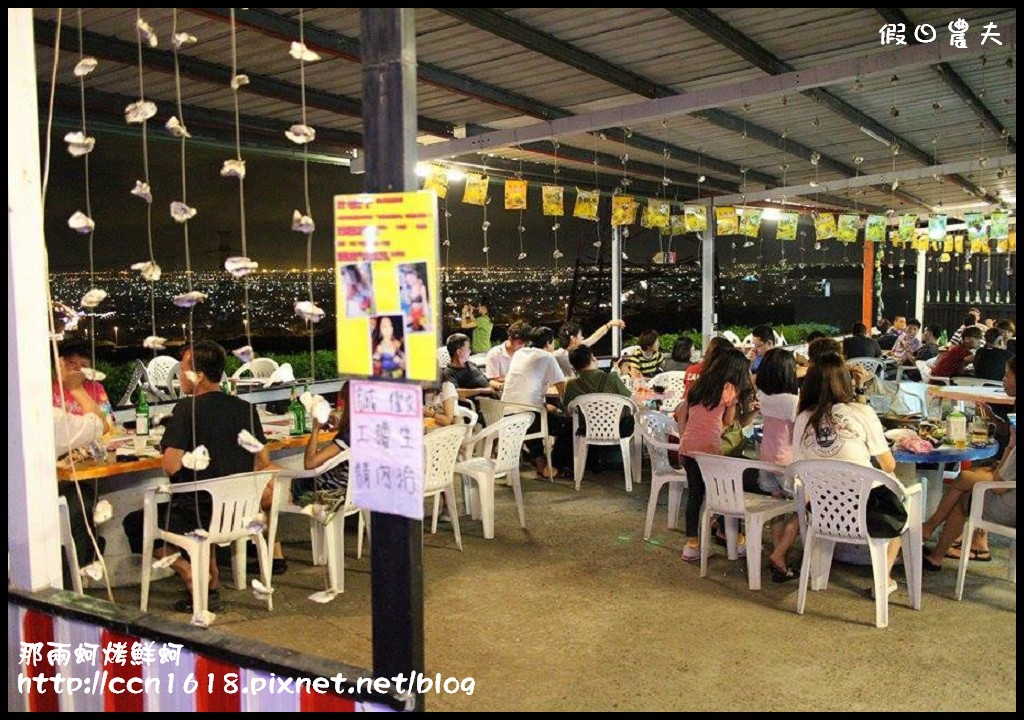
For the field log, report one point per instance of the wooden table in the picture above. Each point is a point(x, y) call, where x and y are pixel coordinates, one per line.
point(972, 393)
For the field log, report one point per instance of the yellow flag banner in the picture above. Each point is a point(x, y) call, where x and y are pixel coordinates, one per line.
point(750, 223)
point(958, 244)
point(437, 180)
point(824, 225)
point(874, 229)
point(847, 230)
point(726, 221)
point(586, 204)
point(551, 199)
point(623, 210)
point(786, 227)
point(515, 194)
point(908, 226)
point(695, 218)
point(476, 189)
point(656, 215)
point(676, 225)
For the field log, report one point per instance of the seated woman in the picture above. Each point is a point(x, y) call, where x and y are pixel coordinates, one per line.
point(831, 425)
point(442, 412)
point(955, 504)
point(331, 484)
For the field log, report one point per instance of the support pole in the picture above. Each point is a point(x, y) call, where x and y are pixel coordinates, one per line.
point(868, 287)
point(389, 118)
point(32, 526)
point(922, 268)
point(707, 280)
point(616, 289)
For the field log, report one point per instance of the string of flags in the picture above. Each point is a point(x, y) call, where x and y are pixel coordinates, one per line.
point(657, 214)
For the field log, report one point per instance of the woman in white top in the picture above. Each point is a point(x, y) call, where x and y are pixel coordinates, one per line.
point(832, 425)
point(443, 410)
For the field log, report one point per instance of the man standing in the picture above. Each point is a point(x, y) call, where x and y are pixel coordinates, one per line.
point(210, 418)
point(481, 325)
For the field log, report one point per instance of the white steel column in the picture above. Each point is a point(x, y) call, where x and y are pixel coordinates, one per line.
point(32, 528)
point(616, 289)
point(922, 268)
point(707, 284)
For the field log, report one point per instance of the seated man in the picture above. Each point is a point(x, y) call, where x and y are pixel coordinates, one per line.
point(859, 344)
point(211, 418)
point(591, 379)
point(929, 343)
point(532, 371)
point(499, 357)
point(468, 379)
point(954, 361)
point(909, 342)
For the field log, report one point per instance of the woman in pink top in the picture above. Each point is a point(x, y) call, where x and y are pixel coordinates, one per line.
point(778, 400)
point(716, 400)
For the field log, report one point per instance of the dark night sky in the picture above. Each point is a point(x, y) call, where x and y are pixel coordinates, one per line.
point(273, 188)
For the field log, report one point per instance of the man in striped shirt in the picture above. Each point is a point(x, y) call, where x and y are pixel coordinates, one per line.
point(647, 362)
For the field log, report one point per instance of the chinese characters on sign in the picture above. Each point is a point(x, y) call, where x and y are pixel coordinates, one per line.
point(896, 33)
point(387, 448)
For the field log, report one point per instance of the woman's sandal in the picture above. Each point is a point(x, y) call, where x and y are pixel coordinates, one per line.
point(213, 603)
point(984, 555)
point(780, 575)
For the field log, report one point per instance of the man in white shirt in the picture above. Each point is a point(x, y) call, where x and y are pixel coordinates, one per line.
point(570, 337)
point(532, 371)
point(499, 357)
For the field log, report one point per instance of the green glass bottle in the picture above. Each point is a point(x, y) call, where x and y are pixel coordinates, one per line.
point(298, 413)
point(142, 414)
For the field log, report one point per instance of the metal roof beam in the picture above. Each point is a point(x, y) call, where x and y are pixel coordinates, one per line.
point(824, 74)
point(714, 27)
point(921, 173)
point(340, 45)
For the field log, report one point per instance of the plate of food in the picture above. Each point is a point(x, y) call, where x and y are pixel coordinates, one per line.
point(893, 420)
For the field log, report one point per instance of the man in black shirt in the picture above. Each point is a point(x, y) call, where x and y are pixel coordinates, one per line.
point(217, 420)
point(990, 360)
point(929, 343)
point(859, 345)
point(467, 378)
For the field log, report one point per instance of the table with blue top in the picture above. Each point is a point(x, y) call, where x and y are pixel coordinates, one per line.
point(908, 467)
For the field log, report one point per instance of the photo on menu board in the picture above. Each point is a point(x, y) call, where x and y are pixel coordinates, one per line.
point(414, 296)
point(386, 339)
point(357, 285)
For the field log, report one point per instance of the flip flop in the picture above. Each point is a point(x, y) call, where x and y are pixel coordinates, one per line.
point(780, 576)
point(977, 555)
point(213, 603)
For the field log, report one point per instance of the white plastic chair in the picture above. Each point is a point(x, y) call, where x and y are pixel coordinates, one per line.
point(838, 494)
point(442, 450)
point(976, 521)
point(485, 465)
point(872, 365)
point(723, 481)
point(493, 410)
point(326, 532)
point(236, 518)
point(467, 415)
point(655, 429)
point(67, 542)
point(444, 359)
point(914, 397)
point(258, 368)
point(976, 382)
point(138, 378)
point(158, 373)
point(674, 382)
point(731, 336)
point(629, 350)
point(602, 413)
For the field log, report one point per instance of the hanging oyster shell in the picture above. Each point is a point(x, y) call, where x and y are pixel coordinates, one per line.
point(309, 311)
point(85, 66)
point(239, 81)
point(93, 571)
point(150, 270)
point(233, 168)
point(142, 191)
point(139, 111)
point(81, 223)
point(102, 512)
point(302, 223)
point(299, 51)
point(558, 254)
point(249, 442)
point(180, 40)
point(244, 353)
point(181, 212)
point(79, 143)
point(166, 561)
point(521, 256)
point(239, 267)
point(198, 459)
point(189, 299)
point(176, 128)
point(93, 297)
point(155, 342)
point(316, 406)
point(146, 33)
point(282, 374)
point(300, 134)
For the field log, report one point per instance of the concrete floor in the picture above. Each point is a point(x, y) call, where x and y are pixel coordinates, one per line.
point(579, 613)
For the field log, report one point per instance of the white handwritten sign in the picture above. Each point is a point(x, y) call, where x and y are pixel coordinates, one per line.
point(386, 469)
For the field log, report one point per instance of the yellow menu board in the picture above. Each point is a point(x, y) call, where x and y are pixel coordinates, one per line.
point(385, 260)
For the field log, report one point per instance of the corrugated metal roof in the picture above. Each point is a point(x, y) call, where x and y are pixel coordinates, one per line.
point(649, 42)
